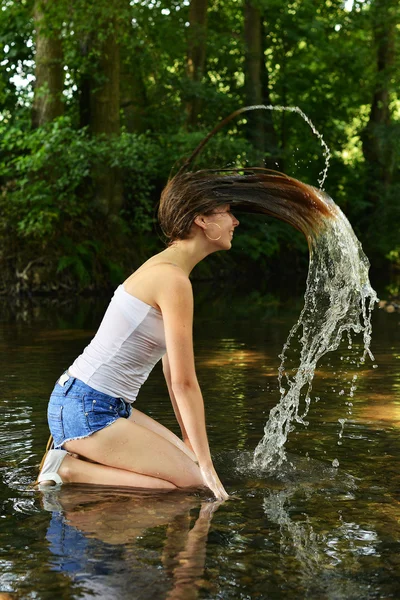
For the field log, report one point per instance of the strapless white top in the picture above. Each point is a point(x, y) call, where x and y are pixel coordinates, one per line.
point(127, 345)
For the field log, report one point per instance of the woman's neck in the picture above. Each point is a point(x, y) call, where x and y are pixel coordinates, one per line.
point(186, 253)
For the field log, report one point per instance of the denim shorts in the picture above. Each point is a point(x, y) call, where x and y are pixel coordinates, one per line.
point(76, 411)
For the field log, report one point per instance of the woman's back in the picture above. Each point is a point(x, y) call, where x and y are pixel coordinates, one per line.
point(127, 345)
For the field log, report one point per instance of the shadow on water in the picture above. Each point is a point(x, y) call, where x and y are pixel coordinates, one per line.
point(309, 531)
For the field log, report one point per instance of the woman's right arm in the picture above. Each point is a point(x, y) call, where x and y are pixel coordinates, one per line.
point(174, 296)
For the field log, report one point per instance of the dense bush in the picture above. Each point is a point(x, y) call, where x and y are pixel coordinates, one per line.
point(49, 217)
point(139, 85)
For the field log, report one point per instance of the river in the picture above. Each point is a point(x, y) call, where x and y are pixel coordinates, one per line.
point(312, 530)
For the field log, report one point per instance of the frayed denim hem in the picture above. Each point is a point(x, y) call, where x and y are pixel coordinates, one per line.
point(82, 437)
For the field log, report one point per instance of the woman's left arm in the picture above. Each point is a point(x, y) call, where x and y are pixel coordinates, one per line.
point(167, 375)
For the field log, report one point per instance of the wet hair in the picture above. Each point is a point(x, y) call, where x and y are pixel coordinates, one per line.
point(186, 196)
point(252, 189)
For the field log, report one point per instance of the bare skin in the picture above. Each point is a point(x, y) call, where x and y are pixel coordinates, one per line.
point(139, 452)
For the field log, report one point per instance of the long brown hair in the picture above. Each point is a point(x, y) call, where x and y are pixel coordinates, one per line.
point(251, 189)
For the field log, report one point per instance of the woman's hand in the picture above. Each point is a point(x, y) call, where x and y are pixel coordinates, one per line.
point(212, 481)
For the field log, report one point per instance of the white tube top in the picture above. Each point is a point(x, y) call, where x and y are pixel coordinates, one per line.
point(127, 345)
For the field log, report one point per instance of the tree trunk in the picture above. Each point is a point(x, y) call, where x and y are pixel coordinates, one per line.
point(105, 119)
point(134, 101)
point(105, 97)
point(85, 84)
point(48, 100)
point(377, 146)
point(271, 146)
point(253, 72)
point(196, 57)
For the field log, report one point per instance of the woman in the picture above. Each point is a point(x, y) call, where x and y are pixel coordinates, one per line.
point(90, 411)
point(150, 316)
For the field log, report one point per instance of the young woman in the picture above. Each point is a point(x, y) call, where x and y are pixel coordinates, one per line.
point(150, 316)
point(99, 438)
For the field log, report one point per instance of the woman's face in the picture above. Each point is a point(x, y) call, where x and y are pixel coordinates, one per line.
point(221, 224)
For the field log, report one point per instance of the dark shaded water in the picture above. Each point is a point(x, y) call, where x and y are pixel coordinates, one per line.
point(314, 531)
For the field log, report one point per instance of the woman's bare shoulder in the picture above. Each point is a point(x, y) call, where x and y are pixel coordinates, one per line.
point(155, 279)
point(155, 267)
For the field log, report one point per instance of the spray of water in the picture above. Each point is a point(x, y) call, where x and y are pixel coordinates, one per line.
point(295, 109)
point(338, 300)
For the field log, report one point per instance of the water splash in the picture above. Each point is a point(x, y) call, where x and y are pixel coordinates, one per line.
point(295, 109)
point(339, 299)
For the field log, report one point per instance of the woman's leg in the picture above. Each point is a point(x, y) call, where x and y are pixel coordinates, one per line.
point(146, 421)
point(73, 470)
point(128, 446)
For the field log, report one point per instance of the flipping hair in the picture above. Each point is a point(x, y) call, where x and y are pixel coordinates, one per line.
point(256, 190)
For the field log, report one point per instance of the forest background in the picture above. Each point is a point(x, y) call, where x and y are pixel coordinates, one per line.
point(99, 100)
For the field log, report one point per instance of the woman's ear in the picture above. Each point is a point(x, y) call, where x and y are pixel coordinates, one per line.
point(200, 221)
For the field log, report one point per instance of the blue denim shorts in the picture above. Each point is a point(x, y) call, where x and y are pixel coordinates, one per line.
point(76, 410)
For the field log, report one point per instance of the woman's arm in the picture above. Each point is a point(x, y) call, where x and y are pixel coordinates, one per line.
point(167, 375)
point(174, 296)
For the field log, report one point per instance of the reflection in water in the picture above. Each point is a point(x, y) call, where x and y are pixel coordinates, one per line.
point(383, 405)
point(124, 530)
point(310, 532)
point(327, 560)
point(299, 536)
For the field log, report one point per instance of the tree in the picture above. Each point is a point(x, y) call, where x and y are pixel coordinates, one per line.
point(378, 147)
point(105, 116)
point(97, 32)
point(196, 57)
point(253, 68)
point(140, 82)
point(134, 98)
point(49, 69)
point(260, 129)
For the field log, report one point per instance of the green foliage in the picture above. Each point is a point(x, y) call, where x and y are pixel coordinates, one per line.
point(47, 196)
point(319, 56)
point(48, 202)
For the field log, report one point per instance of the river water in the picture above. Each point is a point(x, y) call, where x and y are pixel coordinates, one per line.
point(311, 530)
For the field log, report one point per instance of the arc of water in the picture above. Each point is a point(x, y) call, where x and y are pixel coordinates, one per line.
point(325, 149)
point(295, 109)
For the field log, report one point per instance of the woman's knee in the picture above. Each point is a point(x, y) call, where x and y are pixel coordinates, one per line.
point(189, 477)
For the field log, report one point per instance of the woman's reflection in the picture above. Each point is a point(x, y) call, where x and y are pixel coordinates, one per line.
point(106, 541)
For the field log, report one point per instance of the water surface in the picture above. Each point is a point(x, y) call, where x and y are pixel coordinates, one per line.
point(310, 531)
